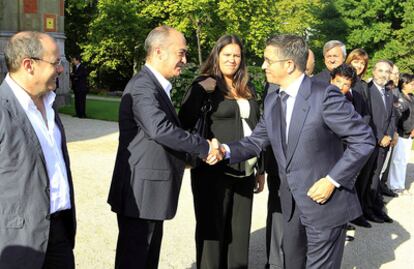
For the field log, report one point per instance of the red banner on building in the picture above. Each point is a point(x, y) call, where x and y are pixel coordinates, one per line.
point(30, 6)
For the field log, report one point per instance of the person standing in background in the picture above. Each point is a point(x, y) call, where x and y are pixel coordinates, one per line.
point(79, 78)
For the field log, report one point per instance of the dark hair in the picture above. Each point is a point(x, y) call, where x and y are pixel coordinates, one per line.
point(77, 57)
point(358, 54)
point(404, 79)
point(291, 47)
point(345, 70)
point(211, 66)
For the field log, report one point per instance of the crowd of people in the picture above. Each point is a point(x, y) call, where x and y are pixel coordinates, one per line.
point(332, 145)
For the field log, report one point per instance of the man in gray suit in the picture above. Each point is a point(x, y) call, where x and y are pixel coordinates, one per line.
point(151, 154)
point(37, 211)
point(306, 124)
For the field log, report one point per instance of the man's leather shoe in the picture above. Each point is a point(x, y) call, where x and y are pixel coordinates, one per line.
point(373, 218)
point(385, 217)
point(361, 221)
point(387, 192)
point(349, 227)
point(349, 238)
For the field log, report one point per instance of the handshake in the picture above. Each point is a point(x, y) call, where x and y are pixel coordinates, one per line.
point(217, 152)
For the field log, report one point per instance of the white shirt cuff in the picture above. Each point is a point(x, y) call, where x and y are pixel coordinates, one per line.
point(227, 148)
point(333, 181)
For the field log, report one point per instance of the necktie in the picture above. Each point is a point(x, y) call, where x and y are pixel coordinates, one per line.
point(283, 96)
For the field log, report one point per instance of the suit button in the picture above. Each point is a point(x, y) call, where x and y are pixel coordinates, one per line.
point(48, 216)
point(47, 190)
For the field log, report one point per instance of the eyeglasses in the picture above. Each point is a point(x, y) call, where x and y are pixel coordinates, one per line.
point(55, 64)
point(270, 62)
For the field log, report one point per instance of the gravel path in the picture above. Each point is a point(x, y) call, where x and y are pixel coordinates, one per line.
point(92, 148)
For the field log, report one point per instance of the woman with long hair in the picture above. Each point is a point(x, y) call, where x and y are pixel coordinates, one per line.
point(223, 193)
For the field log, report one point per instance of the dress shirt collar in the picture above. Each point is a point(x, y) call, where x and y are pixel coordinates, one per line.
point(381, 89)
point(166, 85)
point(293, 89)
point(24, 98)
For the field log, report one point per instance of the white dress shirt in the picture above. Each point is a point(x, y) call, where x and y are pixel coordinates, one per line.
point(166, 85)
point(50, 140)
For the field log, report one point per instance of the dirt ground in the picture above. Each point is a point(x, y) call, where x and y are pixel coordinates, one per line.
point(92, 148)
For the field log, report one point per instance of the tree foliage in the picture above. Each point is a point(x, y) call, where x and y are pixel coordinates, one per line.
point(110, 33)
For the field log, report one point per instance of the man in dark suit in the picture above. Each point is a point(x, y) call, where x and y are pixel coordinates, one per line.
point(380, 100)
point(344, 77)
point(306, 124)
point(79, 77)
point(151, 154)
point(334, 54)
point(37, 211)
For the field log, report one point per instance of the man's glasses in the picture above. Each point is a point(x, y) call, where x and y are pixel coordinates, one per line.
point(55, 64)
point(270, 62)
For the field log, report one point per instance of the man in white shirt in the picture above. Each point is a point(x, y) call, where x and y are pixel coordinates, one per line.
point(151, 155)
point(37, 214)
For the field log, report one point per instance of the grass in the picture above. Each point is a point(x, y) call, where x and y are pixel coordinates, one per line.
point(96, 109)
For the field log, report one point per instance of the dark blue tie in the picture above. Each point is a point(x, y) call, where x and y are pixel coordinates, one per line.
point(281, 102)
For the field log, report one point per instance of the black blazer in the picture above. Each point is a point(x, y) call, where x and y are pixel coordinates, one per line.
point(79, 79)
point(150, 160)
point(382, 117)
point(323, 77)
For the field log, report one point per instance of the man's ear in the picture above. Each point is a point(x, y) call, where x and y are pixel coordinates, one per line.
point(27, 65)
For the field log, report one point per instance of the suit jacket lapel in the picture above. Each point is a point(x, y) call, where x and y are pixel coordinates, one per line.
point(299, 114)
point(163, 95)
point(272, 116)
point(11, 103)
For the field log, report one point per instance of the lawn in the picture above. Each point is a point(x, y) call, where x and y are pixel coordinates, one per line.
point(96, 109)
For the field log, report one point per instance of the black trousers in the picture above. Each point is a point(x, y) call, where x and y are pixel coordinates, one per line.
point(363, 181)
point(310, 247)
point(59, 253)
point(80, 103)
point(139, 243)
point(375, 200)
point(223, 208)
point(274, 224)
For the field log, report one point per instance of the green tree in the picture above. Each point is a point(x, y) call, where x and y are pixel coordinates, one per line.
point(78, 15)
point(114, 44)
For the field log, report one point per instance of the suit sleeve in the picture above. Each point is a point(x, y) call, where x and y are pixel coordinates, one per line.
point(341, 118)
point(250, 146)
point(155, 123)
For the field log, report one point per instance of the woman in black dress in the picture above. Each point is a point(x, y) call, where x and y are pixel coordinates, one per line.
point(223, 193)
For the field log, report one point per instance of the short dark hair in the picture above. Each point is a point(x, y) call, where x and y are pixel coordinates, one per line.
point(404, 79)
point(291, 47)
point(345, 70)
